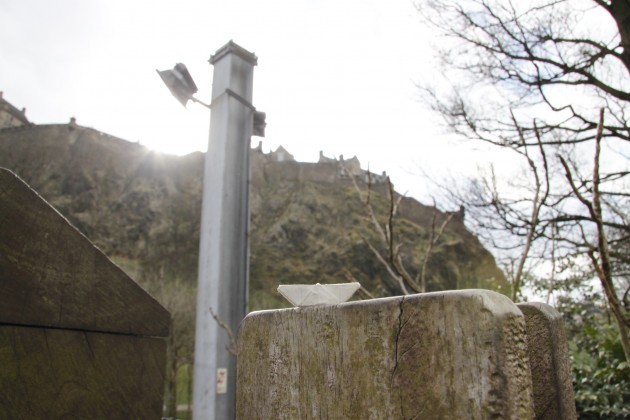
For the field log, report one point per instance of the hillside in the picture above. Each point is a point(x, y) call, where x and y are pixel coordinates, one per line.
point(308, 224)
point(142, 208)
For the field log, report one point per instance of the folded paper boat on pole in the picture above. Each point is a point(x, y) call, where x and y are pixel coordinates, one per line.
point(318, 294)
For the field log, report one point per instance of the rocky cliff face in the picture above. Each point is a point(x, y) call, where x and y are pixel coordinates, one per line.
point(308, 225)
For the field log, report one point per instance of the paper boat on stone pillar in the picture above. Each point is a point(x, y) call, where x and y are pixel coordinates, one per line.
point(318, 294)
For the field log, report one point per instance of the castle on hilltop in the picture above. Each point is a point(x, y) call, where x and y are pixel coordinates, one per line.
point(326, 169)
point(275, 163)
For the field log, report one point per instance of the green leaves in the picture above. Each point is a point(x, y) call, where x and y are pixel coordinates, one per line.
point(601, 375)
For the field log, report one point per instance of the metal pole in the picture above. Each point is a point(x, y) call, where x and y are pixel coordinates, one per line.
point(223, 250)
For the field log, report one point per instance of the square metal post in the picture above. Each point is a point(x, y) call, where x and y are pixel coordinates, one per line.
point(223, 250)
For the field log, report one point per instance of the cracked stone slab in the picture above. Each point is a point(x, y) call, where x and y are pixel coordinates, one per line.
point(459, 354)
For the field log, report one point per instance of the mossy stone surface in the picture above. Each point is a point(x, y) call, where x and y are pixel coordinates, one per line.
point(549, 361)
point(61, 374)
point(443, 355)
point(79, 339)
point(52, 275)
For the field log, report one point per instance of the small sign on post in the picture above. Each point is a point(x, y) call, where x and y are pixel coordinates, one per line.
point(222, 374)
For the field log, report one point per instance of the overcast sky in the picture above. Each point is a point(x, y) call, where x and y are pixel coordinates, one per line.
point(336, 76)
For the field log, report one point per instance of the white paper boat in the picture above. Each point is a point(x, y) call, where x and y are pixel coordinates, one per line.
point(318, 294)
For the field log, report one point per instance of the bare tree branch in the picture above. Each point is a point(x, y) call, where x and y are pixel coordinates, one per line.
point(231, 347)
point(602, 262)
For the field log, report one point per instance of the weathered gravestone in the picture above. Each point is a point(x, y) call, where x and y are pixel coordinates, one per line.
point(78, 337)
point(445, 355)
point(549, 362)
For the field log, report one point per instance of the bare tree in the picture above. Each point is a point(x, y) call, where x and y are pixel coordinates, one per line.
point(515, 56)
point(531, 77)
point(598, 252)
point(389, 253)
point(508, 219)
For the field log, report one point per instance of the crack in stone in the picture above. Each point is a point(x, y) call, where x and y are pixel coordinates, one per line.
point(400, 326)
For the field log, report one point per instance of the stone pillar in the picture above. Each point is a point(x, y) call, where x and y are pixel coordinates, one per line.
point(549, 362)
point(223, 251)
point(79, 339)
point(458, 354)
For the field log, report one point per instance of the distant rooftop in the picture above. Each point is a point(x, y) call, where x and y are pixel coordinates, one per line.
point(10, 116)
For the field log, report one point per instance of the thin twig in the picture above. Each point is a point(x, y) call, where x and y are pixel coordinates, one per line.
point(231, 347)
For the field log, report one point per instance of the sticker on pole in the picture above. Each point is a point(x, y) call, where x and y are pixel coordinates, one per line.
point(222, 380)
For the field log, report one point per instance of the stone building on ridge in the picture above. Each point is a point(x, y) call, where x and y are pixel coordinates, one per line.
point(10, 116)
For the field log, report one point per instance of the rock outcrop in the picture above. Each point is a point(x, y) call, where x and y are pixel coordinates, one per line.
point(308, 223)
